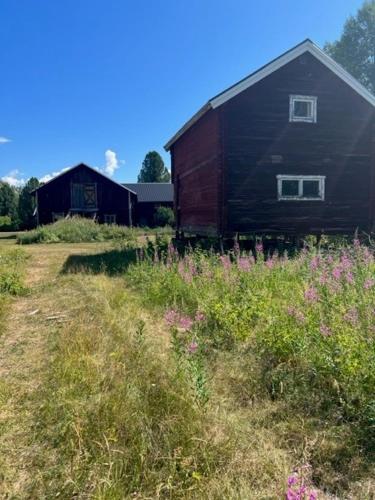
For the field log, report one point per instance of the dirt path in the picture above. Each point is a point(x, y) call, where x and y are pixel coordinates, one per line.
point(23, 356)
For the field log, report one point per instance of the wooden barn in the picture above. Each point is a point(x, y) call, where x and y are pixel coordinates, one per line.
point(287, 150)
point(150, 196)
point(84, 191)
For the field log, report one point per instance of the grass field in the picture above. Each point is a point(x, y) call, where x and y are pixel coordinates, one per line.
point(134, 374)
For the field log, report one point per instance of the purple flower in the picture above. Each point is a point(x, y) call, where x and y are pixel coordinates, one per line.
point(346, 263)
point(244, 264)
point(259, 247)
point(313, 495)
point(325, 331)
point(369, 283)
point(356, 243)
point(171, 317)
point(323, 279)
point(315, 262)
point(199, 316)
point(270, 263)
point(192, 347)
point(225, 261)
point(311, 294)
point(292, 479)
point(350, 278)
point(298, 315)
point(352, 316)
point(336, 273)
point(185, 323)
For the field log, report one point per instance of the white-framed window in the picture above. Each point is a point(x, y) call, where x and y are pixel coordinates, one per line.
point(303, 108)
point(57, 216)
point(110, 218)
point(301, 187)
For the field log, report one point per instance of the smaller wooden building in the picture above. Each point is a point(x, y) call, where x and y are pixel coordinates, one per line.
point(150, 196)
point(84, 191)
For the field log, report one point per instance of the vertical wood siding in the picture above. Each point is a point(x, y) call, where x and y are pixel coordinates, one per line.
point(260, 143)
point(196, 164)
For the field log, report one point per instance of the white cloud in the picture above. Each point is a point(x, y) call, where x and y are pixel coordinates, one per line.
point(14, 178)
point(49, 177)
point(4, 140)
point(111, 162)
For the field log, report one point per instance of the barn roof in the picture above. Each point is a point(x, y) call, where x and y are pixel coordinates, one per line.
point(152, 192)
point(65, 171)
point(305, 46)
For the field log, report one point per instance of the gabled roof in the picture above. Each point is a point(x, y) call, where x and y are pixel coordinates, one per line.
point(152, 192)
point(306, 46)
point(86, 166)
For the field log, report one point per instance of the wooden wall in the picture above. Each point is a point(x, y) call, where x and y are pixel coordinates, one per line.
point(256, 127)
point(112, 198)
point(197, 176)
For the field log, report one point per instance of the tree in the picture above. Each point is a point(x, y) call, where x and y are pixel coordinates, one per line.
point(8, 202)
point(355, 50)
point(153, 169)
point(164, 216)
point(26, 204)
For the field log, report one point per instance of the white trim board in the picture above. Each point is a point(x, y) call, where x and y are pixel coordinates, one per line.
point(306, 46)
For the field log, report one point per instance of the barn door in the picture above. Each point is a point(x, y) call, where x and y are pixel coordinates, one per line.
point(89, 195)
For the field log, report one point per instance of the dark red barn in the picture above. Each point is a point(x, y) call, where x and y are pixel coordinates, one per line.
point(289, 149)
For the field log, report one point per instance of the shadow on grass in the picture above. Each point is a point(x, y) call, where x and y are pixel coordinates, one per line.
point(111, 262)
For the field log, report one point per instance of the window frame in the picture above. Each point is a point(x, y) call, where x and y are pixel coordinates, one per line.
point(304, 98)
point(112, 217)
point(300, 178)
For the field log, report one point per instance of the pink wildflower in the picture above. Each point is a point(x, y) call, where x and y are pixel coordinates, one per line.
point(323, 279)
point(192, 348)
point(259, 247)
point(325, 330)
point(369, 283)
point(352, 316)
point(356, 243)
point(244, 264)
point(171, 317)
point(298, 315)
point(185, 323)
point(350, 278)
point(315, 262)
point(336, 273)
point(311, 294)
point(199, 316)
point(270, 263)
point(225, 261)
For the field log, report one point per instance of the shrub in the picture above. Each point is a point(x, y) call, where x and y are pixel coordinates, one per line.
point(309, 321)
point(164, 216)
point(5, 223)
point(75, 230)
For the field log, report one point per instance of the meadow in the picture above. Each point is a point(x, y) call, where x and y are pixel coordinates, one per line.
point(190, 374)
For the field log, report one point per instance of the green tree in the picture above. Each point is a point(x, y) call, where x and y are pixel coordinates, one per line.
point(26, 204)
point(153, 169)
point(355, 50)
point(164, 216)
point(8, 202)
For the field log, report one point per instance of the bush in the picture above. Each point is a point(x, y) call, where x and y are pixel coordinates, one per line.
point(164, 216)
point(75, 230)
point(5, 223)
point(308, 320)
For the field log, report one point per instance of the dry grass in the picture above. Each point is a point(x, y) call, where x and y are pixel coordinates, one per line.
point(92, 405)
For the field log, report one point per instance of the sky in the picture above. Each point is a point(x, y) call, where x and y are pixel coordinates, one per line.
point(105, 81)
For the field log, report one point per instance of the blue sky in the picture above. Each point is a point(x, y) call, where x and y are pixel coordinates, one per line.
point(105, 81)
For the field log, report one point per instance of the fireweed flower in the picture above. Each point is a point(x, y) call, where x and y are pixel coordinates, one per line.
point(199, 317)
point(298, 315)
point(311, 294)
point(225, 262)
point(336, 272)
point(325, 331)
point(350, 278)
point(369, 283)
point(270, 263)
point(244, 264)
point(352, 316)
point(315, 262)
point(192, 347)
point(259, 247)
point(171, 317)
point(185, 323)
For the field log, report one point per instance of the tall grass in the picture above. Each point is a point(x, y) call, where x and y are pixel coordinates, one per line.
point(11, 278)
point(80, 230)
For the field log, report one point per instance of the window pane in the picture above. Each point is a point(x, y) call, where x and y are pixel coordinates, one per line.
point(311, 189)
point(303, 109)
point(289, 188)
